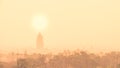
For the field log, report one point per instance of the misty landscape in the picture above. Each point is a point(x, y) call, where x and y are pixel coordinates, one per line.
point(66, 59)
point(59, 33)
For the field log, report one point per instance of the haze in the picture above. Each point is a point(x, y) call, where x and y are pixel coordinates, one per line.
point(91, 25)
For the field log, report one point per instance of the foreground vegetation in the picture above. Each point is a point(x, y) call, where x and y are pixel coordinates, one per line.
point(67, 59)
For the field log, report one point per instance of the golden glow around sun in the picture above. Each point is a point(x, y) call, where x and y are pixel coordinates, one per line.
point(39, 22)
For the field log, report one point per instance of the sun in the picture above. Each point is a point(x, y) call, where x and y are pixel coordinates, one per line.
point(39, 22)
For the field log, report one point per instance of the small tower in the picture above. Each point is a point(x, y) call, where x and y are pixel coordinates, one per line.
point(39, 41)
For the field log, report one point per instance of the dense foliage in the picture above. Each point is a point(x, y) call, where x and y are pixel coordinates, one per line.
point(76, 59)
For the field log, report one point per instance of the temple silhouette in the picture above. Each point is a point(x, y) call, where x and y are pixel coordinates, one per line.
point(39, 41)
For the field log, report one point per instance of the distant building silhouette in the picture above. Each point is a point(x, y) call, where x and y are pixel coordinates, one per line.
point(39, 41)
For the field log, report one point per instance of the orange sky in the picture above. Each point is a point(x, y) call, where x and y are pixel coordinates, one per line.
point(92, 25)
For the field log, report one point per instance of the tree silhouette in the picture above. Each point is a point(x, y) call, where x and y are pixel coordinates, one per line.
point(22, 63)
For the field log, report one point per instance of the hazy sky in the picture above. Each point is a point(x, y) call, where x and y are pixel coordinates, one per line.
point(92, 25)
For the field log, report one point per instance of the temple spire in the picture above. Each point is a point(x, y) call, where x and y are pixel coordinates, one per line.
point(39, 41)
